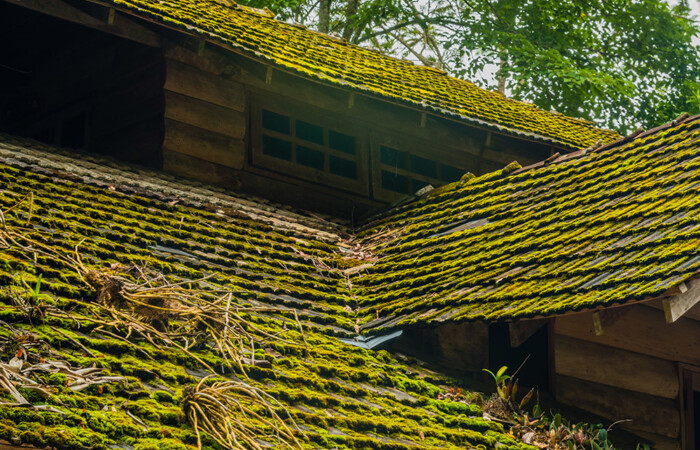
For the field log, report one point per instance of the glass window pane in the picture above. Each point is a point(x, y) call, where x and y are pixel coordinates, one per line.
point(450, 173)
point(309, 132)
point(395, 182)
point(309, 157)
point(275, 122)
point(342, 167)
point(277, 147)
point(423, 166)
point(394, 158)
point(341, 142)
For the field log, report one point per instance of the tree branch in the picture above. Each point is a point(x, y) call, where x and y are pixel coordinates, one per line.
point(409, 47)
point(423, 20)
point(498, 16)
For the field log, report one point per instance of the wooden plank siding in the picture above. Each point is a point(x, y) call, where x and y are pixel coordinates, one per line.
point(640, 329)
point(193, 82)
point(205, 125)
point(631, 370)
point(205, 115)
point(209, 146)
point(615, 367)
point(647, 413)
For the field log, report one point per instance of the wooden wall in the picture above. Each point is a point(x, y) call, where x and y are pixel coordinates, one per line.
point(205, 118)
point(631, 370)
point(91, 78)
point(208, 92)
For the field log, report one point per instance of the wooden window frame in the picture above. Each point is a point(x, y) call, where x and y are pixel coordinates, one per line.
point(327, 122)
point(415, 147)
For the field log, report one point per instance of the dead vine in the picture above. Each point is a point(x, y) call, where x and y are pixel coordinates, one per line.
point(237, 415)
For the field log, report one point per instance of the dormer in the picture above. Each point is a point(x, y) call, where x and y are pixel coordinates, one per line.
point(231, 96)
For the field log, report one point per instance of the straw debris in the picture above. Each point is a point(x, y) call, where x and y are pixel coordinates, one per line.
point(237, 415)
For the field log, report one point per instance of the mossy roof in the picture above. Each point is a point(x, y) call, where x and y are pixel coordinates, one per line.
point(331, 60)
point(584, 230)
point(342, 396)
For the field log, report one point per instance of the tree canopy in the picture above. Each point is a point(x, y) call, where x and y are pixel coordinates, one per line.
point(619, 63)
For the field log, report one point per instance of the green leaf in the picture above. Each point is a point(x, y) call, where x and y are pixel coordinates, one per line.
point(37, 287)
point(490, 373)
point(501, 371)
point(536, 411)
point(556, 421)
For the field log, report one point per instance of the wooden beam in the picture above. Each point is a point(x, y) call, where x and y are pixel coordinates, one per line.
point(597, 325)
point(522, 330)
point(676, 306)
point(615, 367)
point(606, 318)
point(647, 413)
point(693, 313)
point(640, 329)
point(120, 26)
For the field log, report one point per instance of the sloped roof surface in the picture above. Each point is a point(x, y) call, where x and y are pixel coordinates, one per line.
point(340, 395)
point(334, 61)
point(586, 230)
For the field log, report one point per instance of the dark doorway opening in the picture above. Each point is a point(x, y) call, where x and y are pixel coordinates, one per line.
point(696, 417)
point(535, 371)
point(72, 86)
point(691, 407)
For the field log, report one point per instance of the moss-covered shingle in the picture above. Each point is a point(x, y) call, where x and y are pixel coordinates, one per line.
point(585, 231)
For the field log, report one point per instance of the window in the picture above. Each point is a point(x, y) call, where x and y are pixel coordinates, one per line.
point(402, 172)
point(302, 142)
point(295, 142)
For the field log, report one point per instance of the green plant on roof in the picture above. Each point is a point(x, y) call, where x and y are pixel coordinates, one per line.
point(27, 296)
point(507, 388)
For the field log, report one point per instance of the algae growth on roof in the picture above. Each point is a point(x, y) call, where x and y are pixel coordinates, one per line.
point(331, 60)
point(586, 230)
point(65, 217)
